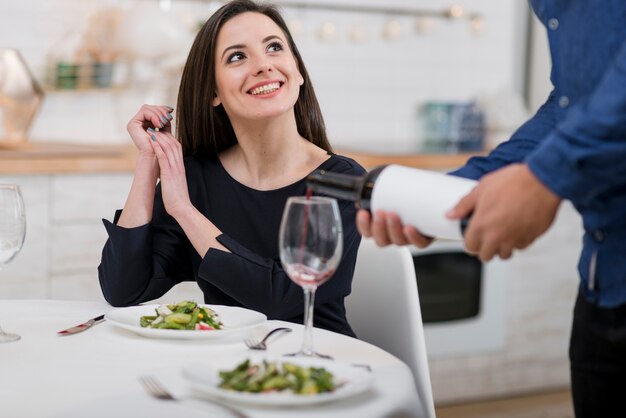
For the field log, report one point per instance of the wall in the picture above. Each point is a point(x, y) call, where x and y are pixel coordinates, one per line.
point(369, 93)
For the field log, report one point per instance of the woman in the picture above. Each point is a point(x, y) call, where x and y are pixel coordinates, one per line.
point(250, 131)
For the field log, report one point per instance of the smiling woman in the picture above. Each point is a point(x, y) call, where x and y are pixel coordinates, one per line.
point(257, 66)
point(249, 130)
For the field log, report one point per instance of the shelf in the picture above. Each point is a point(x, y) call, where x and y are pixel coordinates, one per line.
point(47, 157)
point(424, 161)
point(51, 158)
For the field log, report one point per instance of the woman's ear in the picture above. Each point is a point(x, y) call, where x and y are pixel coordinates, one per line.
point(216, 100)
point(300, 79)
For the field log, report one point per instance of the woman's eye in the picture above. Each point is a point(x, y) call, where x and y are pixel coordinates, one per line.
point(274, 47)
point(236, 56)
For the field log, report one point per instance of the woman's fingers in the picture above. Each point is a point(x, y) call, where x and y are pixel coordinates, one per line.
point(159, 116)
point(169, 151)
point(147, 120)
point(151, 116)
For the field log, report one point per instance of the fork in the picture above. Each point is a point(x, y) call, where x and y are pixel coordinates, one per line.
point(255, 344)
point(157, 390)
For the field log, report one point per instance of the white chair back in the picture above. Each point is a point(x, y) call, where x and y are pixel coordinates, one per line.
point(383, 309)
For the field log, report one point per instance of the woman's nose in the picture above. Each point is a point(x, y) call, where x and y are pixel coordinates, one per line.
point(263, 67)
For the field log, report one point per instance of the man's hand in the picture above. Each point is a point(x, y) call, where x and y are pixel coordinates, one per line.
point(510, 208)
point(386, 228)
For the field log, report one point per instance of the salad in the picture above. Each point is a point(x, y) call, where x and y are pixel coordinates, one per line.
point(187, 315)
point(277, 377)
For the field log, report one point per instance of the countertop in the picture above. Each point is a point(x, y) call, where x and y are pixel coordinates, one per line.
point(58, 158)
point(26, 158)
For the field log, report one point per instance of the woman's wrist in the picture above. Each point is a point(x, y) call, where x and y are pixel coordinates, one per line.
point(147, 163)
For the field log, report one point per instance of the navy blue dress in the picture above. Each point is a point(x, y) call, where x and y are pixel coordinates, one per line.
point(142, 263)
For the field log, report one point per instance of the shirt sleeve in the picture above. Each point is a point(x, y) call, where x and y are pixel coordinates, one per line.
point(261, 283)
point(522, 142)
point(585, 156)
point(142, 263)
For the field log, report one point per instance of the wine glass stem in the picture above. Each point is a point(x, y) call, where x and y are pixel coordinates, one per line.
point(309, 302)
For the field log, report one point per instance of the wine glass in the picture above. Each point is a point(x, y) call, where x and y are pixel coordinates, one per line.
point(310, 244)
point(12, 232)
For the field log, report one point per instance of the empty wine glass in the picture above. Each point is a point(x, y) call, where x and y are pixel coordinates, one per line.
point(12, 232)
point(310, 243)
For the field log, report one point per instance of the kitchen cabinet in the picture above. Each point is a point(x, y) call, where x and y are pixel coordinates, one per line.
point(64, 234)
point(67, 189)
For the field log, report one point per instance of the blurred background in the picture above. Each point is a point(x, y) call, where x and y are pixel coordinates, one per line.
point(402, 77)
point(377, 74)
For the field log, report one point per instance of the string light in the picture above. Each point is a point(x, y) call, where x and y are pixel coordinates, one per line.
point(327, 31)
point(424, 24)
point(358, 34)
point(455, 11)
point(477, 25)
point(392, 30)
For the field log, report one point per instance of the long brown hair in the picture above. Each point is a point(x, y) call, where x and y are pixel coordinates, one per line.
point(203, 128)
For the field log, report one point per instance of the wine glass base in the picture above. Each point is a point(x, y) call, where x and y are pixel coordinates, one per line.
point(309, 354)
point(8, 338)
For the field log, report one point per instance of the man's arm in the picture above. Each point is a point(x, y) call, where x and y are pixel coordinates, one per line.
point(585, 156)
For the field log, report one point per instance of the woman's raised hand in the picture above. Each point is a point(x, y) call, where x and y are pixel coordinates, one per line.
point(149, 118)
point(174, 189)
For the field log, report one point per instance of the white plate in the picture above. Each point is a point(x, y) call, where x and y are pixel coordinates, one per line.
point(353, 380)
point(235, 320)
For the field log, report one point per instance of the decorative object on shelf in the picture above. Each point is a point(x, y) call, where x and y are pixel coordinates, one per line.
point(89, 57)
point(452, 127)
point(20, 96)
point(155, 40)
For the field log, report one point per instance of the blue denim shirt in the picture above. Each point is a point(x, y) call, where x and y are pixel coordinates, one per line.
point(576, 142)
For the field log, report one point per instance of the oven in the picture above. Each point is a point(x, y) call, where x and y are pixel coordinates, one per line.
point(462, 300)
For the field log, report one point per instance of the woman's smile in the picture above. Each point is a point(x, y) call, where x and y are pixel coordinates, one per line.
point(266, 89)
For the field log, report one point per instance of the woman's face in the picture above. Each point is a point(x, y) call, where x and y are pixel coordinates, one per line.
point(256, 73)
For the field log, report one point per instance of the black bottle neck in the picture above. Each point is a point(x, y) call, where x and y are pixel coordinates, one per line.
point(357, 189)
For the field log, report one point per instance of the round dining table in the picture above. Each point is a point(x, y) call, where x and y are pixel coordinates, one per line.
point(96, 373)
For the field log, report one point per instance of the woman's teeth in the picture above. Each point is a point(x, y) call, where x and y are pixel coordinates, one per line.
point(265, 89)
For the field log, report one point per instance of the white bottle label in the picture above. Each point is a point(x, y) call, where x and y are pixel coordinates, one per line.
point(421, 198)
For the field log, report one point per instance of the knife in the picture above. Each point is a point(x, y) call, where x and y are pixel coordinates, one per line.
point(83, 326)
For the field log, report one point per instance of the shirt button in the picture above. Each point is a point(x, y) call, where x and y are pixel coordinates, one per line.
point(553, 23)
point(563, 101)
point(598, 235)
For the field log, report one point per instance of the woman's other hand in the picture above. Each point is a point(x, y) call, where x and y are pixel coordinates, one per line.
point(146, 120)
point(174, 188)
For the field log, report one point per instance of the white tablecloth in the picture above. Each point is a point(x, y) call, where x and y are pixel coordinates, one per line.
point(95, 373)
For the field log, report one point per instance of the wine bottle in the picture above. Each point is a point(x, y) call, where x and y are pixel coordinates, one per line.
point(419, 197)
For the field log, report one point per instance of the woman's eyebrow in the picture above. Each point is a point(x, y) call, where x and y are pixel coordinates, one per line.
point(269, 38)
point(242, 46)
point(238, 46)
